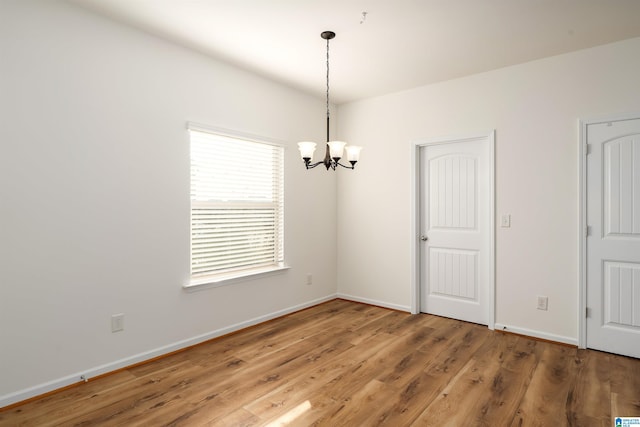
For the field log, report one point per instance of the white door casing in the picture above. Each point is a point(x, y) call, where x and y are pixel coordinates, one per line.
point(454, 228)
point(610, 246)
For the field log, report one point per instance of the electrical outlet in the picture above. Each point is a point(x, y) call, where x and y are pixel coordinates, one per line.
point(543, 303)
point(309, 279)
point(117, 322)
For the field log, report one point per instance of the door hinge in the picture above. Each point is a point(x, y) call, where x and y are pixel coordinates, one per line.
point(587, 312)
point(587, 149)
point(587, 231)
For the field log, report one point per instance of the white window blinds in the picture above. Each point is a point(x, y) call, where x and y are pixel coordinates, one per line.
point(237, 204)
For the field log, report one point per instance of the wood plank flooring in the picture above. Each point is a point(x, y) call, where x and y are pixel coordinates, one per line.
point(348, 364)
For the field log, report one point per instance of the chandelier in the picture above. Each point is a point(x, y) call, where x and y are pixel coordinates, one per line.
point(334, 149)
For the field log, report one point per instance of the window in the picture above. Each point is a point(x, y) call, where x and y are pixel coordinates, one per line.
point(237, 206)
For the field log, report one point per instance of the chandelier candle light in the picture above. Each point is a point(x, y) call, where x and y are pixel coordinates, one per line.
point(334, 149)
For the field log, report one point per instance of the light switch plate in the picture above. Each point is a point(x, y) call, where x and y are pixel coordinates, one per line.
point(117, 322)
point(506, 221)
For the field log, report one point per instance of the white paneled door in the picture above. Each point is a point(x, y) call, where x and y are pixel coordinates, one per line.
point(613, 236)
point(455, 229)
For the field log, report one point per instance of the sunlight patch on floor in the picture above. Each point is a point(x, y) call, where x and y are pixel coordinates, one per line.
point(290, 416)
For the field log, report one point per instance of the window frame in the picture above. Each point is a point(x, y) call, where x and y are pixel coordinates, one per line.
point(241, 274)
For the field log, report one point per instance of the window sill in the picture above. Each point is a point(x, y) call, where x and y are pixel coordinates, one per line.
point(231, 278)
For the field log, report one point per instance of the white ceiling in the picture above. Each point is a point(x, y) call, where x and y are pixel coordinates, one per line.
point(402, 43)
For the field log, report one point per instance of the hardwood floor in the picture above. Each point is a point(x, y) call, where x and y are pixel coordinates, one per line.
point(349, 364)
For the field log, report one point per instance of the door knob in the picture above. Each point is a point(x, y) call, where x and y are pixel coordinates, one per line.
point(424, 238)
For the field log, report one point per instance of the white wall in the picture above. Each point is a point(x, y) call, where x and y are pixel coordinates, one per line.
point(94, 195)
point(534, 108)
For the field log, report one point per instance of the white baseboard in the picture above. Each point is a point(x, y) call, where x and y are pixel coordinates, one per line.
point(40, 389)
point(375, 302)
point(536, 334)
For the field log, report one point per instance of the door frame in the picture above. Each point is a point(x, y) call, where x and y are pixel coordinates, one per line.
point(416, 195)
point(583, 151)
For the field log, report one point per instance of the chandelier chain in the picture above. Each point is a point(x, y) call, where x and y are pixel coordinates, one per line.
point(327, 78)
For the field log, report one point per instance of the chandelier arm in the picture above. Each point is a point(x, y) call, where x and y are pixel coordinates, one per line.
point(310, 165)
point(353, 165)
